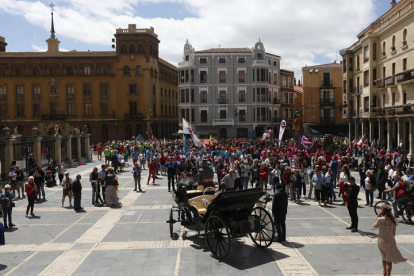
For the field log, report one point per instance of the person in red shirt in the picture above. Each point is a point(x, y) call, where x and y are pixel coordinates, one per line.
point(152, 167)
point(264, 176)
point(31, 191)
point(99, 151)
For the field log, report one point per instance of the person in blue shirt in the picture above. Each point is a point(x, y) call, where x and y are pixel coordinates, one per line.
point(319, 182)
point(6, 200)
point(171, 172)
point(227, 155)
point(334, 167)
point(136, 171)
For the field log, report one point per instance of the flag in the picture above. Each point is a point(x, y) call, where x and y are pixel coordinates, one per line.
point(282, 130)
point(187, 127)
point(362, 140)
point(185, 142)
point(196, 141)
point(304, 143)
point(211, 138)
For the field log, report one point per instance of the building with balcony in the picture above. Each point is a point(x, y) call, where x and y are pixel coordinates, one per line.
point(287, 101)
point(298, 111)
point(116, 94)
point(378, 73)
point(322, 99)
point(230, 92)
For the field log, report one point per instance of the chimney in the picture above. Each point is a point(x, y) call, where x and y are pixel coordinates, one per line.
point(299, 83)
point(393, 4)
point(3, 44)
point(295, 81)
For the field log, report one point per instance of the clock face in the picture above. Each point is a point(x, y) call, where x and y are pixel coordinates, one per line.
point(186, 48)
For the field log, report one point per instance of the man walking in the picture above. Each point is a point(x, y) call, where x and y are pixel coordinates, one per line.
point(171, 170)
point(102, 175)
point(136, 171)
point(279, 210)
point(353, 204)
point(77, 193)
point(205, 175)
point(152, 166)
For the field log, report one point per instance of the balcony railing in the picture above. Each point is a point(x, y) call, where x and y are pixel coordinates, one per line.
point(223, 122)
point(134, 116)
point(404, 76)
point(223, 101)
point(326, 83)
point(260, 63)
point(380, 83)
point(327, 119)
point(327, 101)
point(54, 117)
point(276, 101)
point(389, 81)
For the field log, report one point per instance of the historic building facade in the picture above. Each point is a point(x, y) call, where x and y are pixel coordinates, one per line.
point(230, 92)
point(116, 94)
point(378, 73)
point(322, 99)
point(287, 111)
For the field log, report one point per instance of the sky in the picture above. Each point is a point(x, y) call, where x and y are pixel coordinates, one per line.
point(302, 32)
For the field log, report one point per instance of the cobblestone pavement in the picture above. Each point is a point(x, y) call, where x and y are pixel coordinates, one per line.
point(134, 239)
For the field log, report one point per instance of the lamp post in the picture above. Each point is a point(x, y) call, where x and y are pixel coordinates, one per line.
point(116, 126)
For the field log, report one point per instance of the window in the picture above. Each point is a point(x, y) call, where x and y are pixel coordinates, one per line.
point(291, 82)
point(222, 76)
point(366, 78)
point(383, 48)
point(284, 81)
point(242, 96)
point(105, 133)
point(404, 64)
point(404, 37)
point(393, 99)
point(203, 76)
point(19, 71)
point(383, 100)
point(242, 76)
point(393, 43)
point(3, 93)
point(222, 97)
point(222, 60)
point(203, 60)
point(259, 56)
point(3, 112)
point(140, 48)
point(123, 48)
point(69, 71)
point(104, 89)
point(133, 89)
point(374, 75)
point(133, 108)
point(104, 109)
point(192, 115)
point(383, 72)
point(242, 115)
point(37, 110)
point(203, 96)
point(192, 95)
point(275, 78)
point(358, 64)
point(138, 70)
point(87, 109)
point(132, 48)
point(70, 92)
point(182, 96)
point(192, 76)
point(291, 98)
point(19, 110)
point(351, 68)
point(187, 96)
point(405, 97)
point(53, 91)
point(374, 51)
point(71, 109)
point(274, 63)
point(36, 71)
point(326, 79)
point(87, 91)
point(36, 92)
point(393, 68)
point(203, 115)
point(366, 104)
point(126, 70)
point(366, 53)
point(87, 71)
point(2, 71)
point(19, 92)
point(242, 60)
point(103, 70)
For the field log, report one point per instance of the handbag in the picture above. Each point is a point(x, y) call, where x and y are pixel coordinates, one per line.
point(12, 204)
point(371, 188)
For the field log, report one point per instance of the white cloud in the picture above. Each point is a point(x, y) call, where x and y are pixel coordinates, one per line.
point(44, 48)
point(297, 30)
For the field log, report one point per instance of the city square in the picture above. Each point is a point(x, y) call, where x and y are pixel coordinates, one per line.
point(207, 137)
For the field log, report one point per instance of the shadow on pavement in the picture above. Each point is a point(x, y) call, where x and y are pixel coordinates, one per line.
point(2, 267)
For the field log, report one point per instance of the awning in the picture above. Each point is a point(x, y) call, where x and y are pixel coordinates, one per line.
point(331, 129)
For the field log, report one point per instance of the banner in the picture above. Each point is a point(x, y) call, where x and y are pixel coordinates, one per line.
point(188, 130)
point(282, 130)
point(304, 143)
point(362, 140)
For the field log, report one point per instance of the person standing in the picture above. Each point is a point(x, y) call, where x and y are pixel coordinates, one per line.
point(77, 193)
point(111, 195)
point(370, 184)
point(39, 178)
point(136, 171)
point(383, 175)
point(353, 204)
point(20, 181)
point(227, 182)
point(152, 166)
point(12, 179)
point(99, 151)
point(67, 189)
point(264, 176)
point(93, 178)
point(206, 175)
point(279, 211)
point(319, 183)
point(102, 175)
point(171, 170)
point(60, 172)
point(387, 245)
point(31, 192)
point(7, 204)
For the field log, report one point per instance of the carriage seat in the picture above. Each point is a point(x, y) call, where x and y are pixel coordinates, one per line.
point(200, 189)
point(198, 203)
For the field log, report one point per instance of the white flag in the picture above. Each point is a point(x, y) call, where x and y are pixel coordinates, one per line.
point(196, 141)
point(281, 130)
point(186, 127)
point(362, 140)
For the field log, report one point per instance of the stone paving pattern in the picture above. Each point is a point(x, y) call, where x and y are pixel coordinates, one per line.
point(134, 239)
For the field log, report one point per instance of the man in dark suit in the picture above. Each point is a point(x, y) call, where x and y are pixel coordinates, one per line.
point(279, 210)
point(353, 204)
point(77, 193)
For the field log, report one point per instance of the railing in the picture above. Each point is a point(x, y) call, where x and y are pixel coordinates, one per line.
point(22, 148)
point(223, 101)
point(223, 122)
point(389, 81)
point(64, 149)
point(380, 83)
point(327, 101)
point(404, 76)
point(48, 150)
point(260, 63)
point(137, 116)
point(326, 83)
point(276, 101)
point(327, 119)
point(54, 117)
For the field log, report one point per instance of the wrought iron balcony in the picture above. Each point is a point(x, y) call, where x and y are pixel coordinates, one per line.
point(389, 81)
point(327, 101)
point(327, 83)
point(276, 101)
point(223, 122)
point(223, 101)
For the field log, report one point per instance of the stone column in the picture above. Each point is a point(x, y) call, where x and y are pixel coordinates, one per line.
point(389, 133)
point(37, 149)
point(78, 140)
point(8, 156)
point(364, 125)
point(371, 129)
point(380, 130)
point(356, 129)
point(350, 130)
point(411, 139)
point(399, 128)
point(87, 145)
point(58, 149)
point(69, 148)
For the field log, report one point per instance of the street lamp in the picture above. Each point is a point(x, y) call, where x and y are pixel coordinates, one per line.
point(116, 126)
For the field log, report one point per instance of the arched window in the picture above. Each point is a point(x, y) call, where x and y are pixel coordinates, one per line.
point(393, 43)
point(128, 132)
point(138, 70)
point(103, 70)
point(87, 71)
point(126, 70)
point(20, 129)
point(104, 133)
point(132, 48)
point(405, 37)
point(123, 48)
point(2, 71)
point(19, 71)
point(383, 48)
point(69, 71)
point(140, 48)
point(53, 70)
point(36, 71)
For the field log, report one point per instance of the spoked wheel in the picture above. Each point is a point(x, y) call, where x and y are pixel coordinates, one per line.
point(264, 237)
point(218, 237)
point(407, 213)
point(378, 205)
point(171, 223)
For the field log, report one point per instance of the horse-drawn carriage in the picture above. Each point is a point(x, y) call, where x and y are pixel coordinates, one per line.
point(223, 215)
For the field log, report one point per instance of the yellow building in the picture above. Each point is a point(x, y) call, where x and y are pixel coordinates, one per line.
point(378, 73)
point(322, 99)
point(116, 94)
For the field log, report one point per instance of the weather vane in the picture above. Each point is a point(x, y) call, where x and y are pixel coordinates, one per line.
point(51, 6)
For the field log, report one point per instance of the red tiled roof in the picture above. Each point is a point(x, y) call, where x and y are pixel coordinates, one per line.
point(321, 66)
point(226, 50)
point(298, 88)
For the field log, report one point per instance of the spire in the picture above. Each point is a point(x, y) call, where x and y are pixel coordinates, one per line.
point(52, 30)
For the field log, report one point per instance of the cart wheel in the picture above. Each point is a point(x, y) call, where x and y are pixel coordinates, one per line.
point(377, 207)
point(266, 234)
point(171, 223)
point(218, 237)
